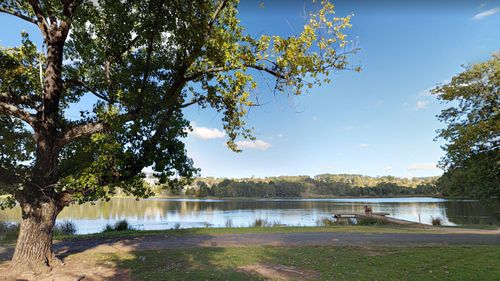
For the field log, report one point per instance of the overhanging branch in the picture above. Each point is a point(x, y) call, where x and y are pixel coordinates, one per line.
point(18, 100)
point(195, 101)
point(268, 70)
point(222, 69)
point(12, 110)
point(86, 87)
point(19, 15)
point(79, 131)
point(88, 129)
point(217, 12)
point(41, 18)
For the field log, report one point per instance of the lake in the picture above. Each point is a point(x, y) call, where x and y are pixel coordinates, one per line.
point(149, 214)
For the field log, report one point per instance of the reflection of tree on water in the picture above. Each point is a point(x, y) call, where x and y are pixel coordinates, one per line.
point(473, 212)
point(165, 213)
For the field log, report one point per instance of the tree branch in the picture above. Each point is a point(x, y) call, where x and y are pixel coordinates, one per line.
point(207, 71)
point(88, 129)
point(41, 21)
point(12, 110)
point(84, 85)
point(80, 131)
point(19, 15)
point(265, 69)
point(18, 100)
point(217, 12)
point(220, 69)
point(198, 100)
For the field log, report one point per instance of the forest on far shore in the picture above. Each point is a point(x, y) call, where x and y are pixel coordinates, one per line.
point(304, 186)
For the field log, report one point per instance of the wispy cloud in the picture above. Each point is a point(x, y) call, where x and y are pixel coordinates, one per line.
point(486, 13)
point(256, 144)
point(387, 168)
point(426, 92)
point(205, 133)
point(364, 145)
point(422, 167)
point(421, 104)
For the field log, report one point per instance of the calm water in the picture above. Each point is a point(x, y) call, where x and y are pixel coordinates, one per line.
point(166, 213)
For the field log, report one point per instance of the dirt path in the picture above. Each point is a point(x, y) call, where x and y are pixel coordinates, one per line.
point(101, 245)
point(276, 239)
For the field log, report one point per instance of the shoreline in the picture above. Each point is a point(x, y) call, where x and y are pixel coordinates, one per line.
point(291, 198)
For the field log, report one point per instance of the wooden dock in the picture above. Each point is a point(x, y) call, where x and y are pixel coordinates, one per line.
point(375, 215)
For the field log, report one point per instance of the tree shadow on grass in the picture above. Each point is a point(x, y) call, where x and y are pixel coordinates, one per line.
point(96, 259)
point(179, 264)
point(214, 263)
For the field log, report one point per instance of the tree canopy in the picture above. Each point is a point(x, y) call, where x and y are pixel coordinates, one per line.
point(472, 160)
point(143, 62)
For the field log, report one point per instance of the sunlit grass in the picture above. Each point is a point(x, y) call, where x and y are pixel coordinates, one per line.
point(332, 263)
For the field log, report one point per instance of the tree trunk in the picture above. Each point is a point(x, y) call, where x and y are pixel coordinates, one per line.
point(39, 202)
point(34, 245)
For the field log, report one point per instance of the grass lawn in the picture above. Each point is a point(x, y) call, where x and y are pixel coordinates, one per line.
point(244, 230)
point(319, 263)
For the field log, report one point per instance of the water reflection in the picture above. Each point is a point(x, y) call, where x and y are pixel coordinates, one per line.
point(166, 213)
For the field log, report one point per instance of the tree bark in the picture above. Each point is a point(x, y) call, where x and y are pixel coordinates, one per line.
point(38, 200)
point(33, 251)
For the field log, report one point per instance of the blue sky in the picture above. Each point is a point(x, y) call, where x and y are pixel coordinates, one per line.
point(377, 122)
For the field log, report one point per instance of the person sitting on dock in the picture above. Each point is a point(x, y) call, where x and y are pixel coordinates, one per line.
point(368, 210)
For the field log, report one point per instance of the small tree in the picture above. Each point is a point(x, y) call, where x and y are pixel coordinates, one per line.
point(144, 62)
point(472, 160)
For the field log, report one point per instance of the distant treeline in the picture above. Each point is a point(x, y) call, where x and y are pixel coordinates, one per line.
point(305, 186)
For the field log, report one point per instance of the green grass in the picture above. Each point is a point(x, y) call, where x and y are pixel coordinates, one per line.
point(246, 230)
point(333, 263)
point(474, 226)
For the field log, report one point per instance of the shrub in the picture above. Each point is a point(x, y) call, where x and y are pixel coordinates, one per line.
point(266, 223)
point(260, 223)
point(229, 223)
point(326, 222)
point(122, 225)
point(436, 221)
point(119, 226)
point(108, 228)
point(65, 228)
point(8, 231)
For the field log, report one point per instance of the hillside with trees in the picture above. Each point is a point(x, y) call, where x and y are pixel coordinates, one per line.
point(325, 185)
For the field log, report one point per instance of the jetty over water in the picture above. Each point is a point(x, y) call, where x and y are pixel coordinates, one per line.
point(375, 215)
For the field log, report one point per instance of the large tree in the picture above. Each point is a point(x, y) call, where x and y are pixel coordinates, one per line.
point(472, 160)
point(144, 61)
